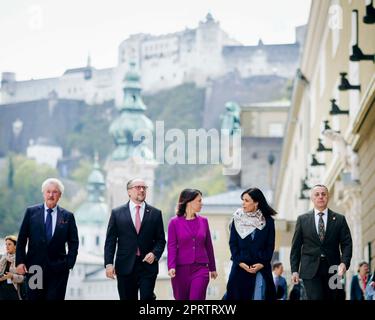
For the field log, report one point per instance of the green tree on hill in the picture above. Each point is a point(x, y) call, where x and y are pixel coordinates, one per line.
point(24, 191)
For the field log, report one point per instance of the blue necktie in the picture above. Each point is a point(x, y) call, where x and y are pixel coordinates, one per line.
point(49, 225)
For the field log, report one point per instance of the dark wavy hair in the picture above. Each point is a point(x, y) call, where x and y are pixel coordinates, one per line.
point(259, 197)
point(361, 264)
point(186, 196)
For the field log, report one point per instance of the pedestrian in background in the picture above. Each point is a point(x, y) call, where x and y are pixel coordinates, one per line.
point(359, 282)
point(279, 281)
point(10, 281)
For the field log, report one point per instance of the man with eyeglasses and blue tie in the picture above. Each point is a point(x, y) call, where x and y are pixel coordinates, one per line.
point(137, 230)
point(321, 249)
point(47, 229)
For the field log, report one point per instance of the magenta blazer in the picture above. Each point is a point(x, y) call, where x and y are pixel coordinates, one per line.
point(184, 248)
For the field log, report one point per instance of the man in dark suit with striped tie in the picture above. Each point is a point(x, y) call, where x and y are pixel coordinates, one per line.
point(47, 229)
point(136, 229)
point(321, 240)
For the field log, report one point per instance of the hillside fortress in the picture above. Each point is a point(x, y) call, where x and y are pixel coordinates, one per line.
point(192, 55)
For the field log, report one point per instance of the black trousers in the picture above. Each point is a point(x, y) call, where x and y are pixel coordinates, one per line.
point(53, 286)
point(8, 291)
point(140, 279)
point(318, 288)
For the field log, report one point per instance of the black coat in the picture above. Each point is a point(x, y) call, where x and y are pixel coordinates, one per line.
point(241, 284)
point(50, 255)
point(121, 232)
point(356, 292)
point(307, 248)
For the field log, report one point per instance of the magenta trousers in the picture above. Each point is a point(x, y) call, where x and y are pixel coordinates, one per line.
point(190, 282)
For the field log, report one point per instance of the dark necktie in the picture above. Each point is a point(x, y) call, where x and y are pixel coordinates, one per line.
point(321, 226)
point(49, 225)
point(138, 224)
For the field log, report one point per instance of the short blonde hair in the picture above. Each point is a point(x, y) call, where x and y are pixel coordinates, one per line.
point(54, 181)
point(11, 238)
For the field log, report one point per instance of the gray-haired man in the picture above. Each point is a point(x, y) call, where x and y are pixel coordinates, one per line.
point(321, 240)
point(47, 229)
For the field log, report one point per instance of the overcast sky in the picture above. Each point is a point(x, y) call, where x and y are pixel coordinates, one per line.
point(43, 38)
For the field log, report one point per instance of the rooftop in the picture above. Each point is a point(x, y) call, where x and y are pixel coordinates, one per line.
point(222, 203)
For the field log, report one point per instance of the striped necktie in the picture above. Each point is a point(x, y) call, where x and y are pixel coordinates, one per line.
point(321, 230)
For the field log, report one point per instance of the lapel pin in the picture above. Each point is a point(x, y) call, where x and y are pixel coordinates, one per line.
point(334, 218)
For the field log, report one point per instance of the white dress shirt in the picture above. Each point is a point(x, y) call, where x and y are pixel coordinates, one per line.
point(324, 216)
point(133, 211)
point(54, 217)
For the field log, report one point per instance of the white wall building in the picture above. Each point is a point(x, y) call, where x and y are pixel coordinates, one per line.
point(87, 280)
point(44, 152)
point(192, 55)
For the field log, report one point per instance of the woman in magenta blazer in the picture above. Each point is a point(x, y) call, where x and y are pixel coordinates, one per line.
point(191, 259)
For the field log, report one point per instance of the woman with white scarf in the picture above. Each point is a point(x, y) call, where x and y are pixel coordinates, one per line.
point(252, 242)
point(9, 279)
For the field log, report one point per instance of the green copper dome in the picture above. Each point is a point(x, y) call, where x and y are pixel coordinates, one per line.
point(96, 177)
point(90, 213)
point(132, 91)
point(132, 78)
point(94, 210)
point(132, 121)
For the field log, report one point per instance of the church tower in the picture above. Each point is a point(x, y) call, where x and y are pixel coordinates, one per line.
point(132, 133)
point(92, 215)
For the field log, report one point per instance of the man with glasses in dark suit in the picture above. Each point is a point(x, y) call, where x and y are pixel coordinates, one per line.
point(321, 240)
point(137, 230)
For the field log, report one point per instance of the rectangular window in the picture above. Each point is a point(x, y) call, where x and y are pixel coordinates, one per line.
point(215, 235)
point(336, 25)
point(354, 96)
point(312, 106)
point(322, 72)
point(275, 129)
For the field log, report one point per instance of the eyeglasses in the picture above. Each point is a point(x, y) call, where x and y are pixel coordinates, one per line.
point(139, 188)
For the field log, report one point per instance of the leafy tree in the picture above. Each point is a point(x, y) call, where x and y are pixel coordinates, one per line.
point(180, 107)
point(10, 172)
point(26, 191)
point(82, 173)
point(207, 178)
point(91, 133)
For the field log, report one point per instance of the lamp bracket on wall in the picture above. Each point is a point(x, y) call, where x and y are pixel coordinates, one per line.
point(335, 109)
point(315, 162)
point(322, 148)
point(345, 85)
point(369, 18)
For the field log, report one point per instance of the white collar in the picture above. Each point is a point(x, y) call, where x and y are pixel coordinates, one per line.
point(325, 211)
point(53, 209)
point(133, 204)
